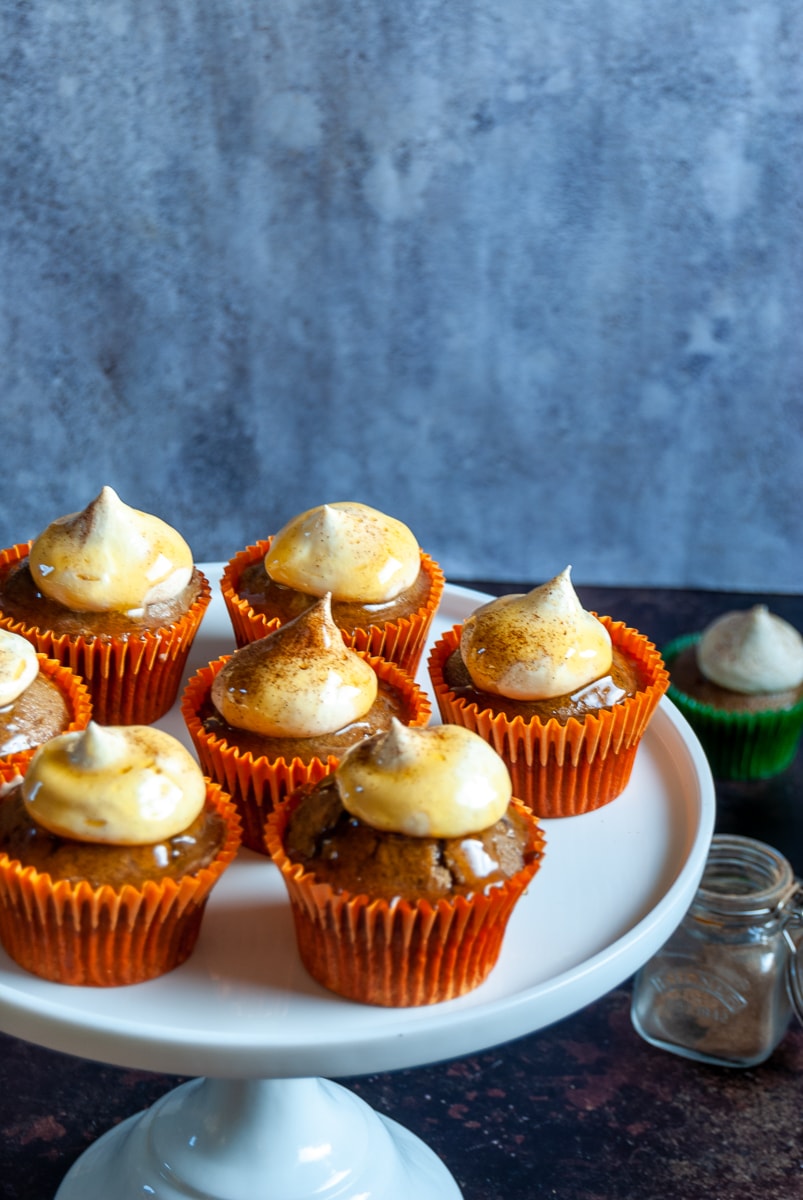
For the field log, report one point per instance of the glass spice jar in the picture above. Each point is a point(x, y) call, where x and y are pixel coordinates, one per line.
point(723, 988)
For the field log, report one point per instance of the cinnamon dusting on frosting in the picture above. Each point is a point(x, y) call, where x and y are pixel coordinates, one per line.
point(301, 680)
point(350, 550)
point(536, 645)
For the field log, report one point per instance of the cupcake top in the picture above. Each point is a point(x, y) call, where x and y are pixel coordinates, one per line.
point(127, 785)
point(110, 558)
point(19, 666)
point(537, 645)
point(752, 652)
point(349, 550)
point(301, 680)
point(442, 781)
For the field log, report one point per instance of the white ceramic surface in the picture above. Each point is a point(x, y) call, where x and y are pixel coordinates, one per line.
point(613, 886)
point(283, 1139)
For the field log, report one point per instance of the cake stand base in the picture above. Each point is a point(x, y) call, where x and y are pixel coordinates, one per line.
point(277, 1139)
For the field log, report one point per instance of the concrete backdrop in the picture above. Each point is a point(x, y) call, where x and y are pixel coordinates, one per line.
point(525, 273)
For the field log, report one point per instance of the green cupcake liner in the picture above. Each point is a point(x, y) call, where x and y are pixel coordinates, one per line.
point(738, 746)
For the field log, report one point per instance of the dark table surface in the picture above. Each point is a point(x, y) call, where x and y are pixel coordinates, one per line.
point(583, 1110)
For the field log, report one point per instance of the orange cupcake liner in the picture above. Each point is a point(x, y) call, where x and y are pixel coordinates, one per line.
point(10, 773)
point(396, 954)
point(76, 696)
point(563, 770)
point(132, 680)
point(401, 641)
point(75, 934)
point(257, 784)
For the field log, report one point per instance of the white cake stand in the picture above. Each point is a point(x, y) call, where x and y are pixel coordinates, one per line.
point(260, 1120)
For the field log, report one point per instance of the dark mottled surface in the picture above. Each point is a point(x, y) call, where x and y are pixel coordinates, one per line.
point(584, 1110)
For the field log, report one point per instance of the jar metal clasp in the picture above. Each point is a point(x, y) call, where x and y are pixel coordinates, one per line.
point(793, 935)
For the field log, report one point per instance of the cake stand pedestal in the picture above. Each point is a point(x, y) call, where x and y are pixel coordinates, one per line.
point(284, 1139)
point(259, 1121)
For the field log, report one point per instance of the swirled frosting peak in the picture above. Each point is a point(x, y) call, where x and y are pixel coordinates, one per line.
point(535, 645)
point(440, 781)
point(752, 651)
point(19, 666)
point(110, 558)
point(353, 551)
point(123, 785)
point(301, 680)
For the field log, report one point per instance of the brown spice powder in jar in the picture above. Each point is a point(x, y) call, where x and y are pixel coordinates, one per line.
point(717, 991)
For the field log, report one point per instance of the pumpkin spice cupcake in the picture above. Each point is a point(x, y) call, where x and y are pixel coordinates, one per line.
point(38, 699)
point(564, 696)
point(739, 684)
point(110, 845)
point(112, 593)
point(385, 590)
point(281, 711)
point(403, 867)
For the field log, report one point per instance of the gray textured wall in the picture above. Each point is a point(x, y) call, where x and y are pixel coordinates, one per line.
point(525, 273)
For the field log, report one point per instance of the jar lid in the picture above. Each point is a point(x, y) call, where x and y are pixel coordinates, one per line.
point(744, 877)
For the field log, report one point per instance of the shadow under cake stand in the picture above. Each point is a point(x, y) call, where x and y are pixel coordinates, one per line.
point(260, 1118)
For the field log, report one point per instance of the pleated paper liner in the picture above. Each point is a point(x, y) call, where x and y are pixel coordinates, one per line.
point(72, 933)
point(10, 774)
point(563, 770)
point(76, 697)
point(132, 680)
point(401, 641)
point(398, 954)
point(738, 745)
point(258, 783)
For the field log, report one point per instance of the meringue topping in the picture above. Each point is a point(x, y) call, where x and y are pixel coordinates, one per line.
point(110, 558)
point(752, 652)
point(439, 781)
point(122, 785)
point(19, 666)
point(351, 550)
point(535, 645)
point(301, 680)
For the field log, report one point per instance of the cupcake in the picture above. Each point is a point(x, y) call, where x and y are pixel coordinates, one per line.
point(110, 845)
point(739, 684)
point(563, 695)
point(38, 699)
point(281, 711)
point(384, 589)
point(112, 593)
point(404, 865)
